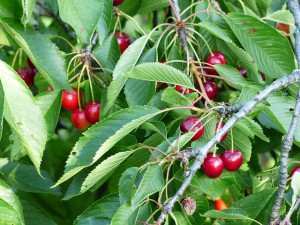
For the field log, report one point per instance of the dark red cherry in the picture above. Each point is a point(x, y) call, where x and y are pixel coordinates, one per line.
point(27, 75)
point(189, 124)
point(92, 112)
point(70, 100)
point(296, 169)
point(243, 72)
point(123, 40)
point(216, 58)
point(79, 119)
point(212, 165)
point(183, 90)
point(117, 2)
point(30, 64)
point(232, 159)
point(263, 76)
point(217, 130)
point(211, 90)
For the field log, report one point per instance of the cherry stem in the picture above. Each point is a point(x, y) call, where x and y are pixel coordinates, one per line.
point(133, 20)
point(78, 87)
point(15, 57)
point(231, 134)
point(90, 82)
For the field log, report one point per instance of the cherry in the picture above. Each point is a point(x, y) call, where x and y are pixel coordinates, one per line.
point(296, 169)
point(232, 159)
point(92, 112)
point(123, 40)
point(283, 27)
point(79, 119)
point(183, 90)
point(189, 205)
point(220, 204)
point(263, 76)
point(216, 58)
point(243, 72)
point(189, 124)
point(117, 2)
point(211, 90)
point(30, 64)
point(49, 88)
point(217, 130)
point(27, 75)
point(212, 165)
point(70, 100)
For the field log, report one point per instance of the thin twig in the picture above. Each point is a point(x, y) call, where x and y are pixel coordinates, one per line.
point(201, 153)
point(287, 144)
point(286, 220)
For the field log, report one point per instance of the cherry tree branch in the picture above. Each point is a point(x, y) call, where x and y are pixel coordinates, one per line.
point(287, 144)
point(201, 153)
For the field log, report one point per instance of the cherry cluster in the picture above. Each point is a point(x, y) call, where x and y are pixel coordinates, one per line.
point(80, 117)
point(28, 73)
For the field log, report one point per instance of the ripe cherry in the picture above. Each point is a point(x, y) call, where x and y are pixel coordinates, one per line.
point(212, 165)
point(30, 64)
point(243, 72)
point(217, 130)
point(92, 112)
point(211, 90)
point(216, 58)
point(283, 27)
point(183, 90)
point(220, 204)
point(296, 169)
point(232, 159)
point(117, 2)
point(27, 74)
point(79, 119)
point(70, 100)
point(189, 124)
point(263, 76)
point(123, 40)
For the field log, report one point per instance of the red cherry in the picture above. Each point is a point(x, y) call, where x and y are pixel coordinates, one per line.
point(216, 58)
point(27, 75)
point(117, 2)
point(79, 119)
point(220, 204)
point(123, 40)
point(183, 90)
point(217, 130)
point(243, 72)
point(232, 159)
point(263, 76)
point(92, 112)
point(211, 90)
point(189, 123)
point(49, 88)
point(212, 165)
point(283, 27)
point(70, 100)
point(296, 169)
point(30, 64)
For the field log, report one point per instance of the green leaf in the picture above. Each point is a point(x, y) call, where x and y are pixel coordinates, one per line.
point(265, 179)
point(180, 218)
point(274, 57)
point(128, 60)
point(127, 184)
point(28, 6)
point(255, 128)
point(108, 53)
point(25, 119)
point(50, 104)
point(106, 19)
point(125, 215)
point(11, 9)
point(34, 216)
point(130, 7)
point(230, 214)
point(103, 208)
point(24, 177)
point(11, 210)
point(104, 170)
point(1, 108)
point(215, 30)
point(296, 187)
point(234, 78)
point(282, 108)
point(41, 51)
point(161, 73)
point(282, 16)
point(256, 205)
point(156, 126)
point(103, 136)
point(152, 182)
point(151, 5)
point(83, 19)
